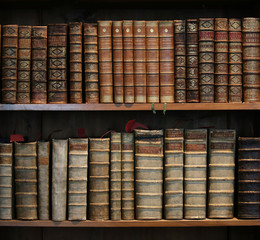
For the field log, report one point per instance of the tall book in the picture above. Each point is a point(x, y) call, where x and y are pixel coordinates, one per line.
point(24, 64)
point(57, 63)
point(251, 56)
point(98, 206)
point(222, 145)
point(128, 195)
point(195, 174)
point(149, 174)
point(6, 177)
point(248, 205)
point(206, 59)
point(173, 174)
point(91, 63)
point(26, 180)
point(77, 179)
point(59, 179)
point(9, 63)
point(105, 61)
point(235, 60)
point(166, 33)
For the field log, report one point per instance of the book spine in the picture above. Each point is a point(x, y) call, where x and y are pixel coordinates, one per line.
point(6, 176)
point(251, 56)
point(235, 60)
point(75, 55)
point(24, 64)
point(206, 59)
point(59, 179)
point(99, 179)
point(128, 196)
point(149, 174)
point(57, 63)
point(173, 174)
point(43, 154)
point(9, 63)
point(77, 180)
point(195, 174)
point(91, 63)
point(39, 65)
point(26, 180)
point(221, 173)
point(166, 33)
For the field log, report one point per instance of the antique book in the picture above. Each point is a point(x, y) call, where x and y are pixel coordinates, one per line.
point(128, 45)
point(6, 179)
point(128, 196)
point(77, 178)
point(221, 60)
point(149, 174)
point(24, 64)
point(43, 156)
point(152, 62)
point(75, 58)
point(235, 60)
point(98, 205)
point(173, 174)
point(192, 61)
point(251, 56)
point(9, 63)
point(39, 65)
point(195, 174)
point(166, 40)
point(105, 61)
point(91, 63)
point(139, 62)
point(115, 176)
point(221, 177)
point(57, 63)
point(26, 180)
point(206, 59)
point(59, 179)
point(248, 195)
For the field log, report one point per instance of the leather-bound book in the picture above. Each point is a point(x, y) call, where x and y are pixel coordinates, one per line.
point(39, 65)
point(251, 57)
point(98, 206)
point(221, 173)
point(248, 196)
point(195, 174)
point(43, 155)
point(206, 59)
point(221, 60)
point(128, 45)
point(75, 55)
point(149, 174)
point(59, 179)
point(173, 174)
point(24, 64)
point(115, 176)
point(9, 63)
point(235, 60)
point(152, 62)
point(6, 176)
point(128, 196)
point(105, 61)
point(139, 62)
point(26, 180)
point(166, 33)
point(57, 63)
point(77, 179)
point(192, 71)
point(91, 63)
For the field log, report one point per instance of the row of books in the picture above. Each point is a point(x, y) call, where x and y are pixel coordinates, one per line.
point(193, 60)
